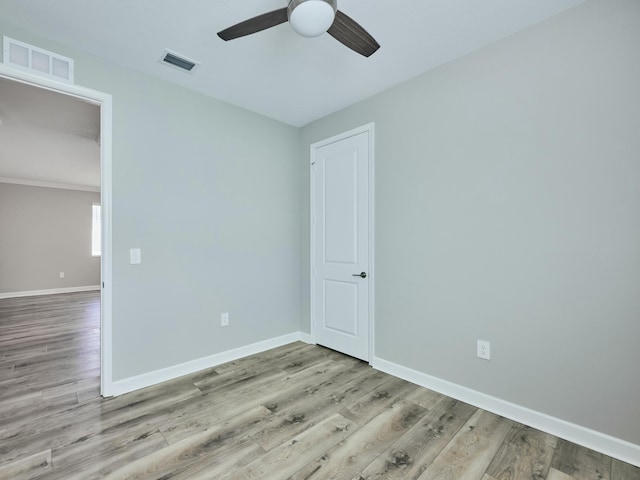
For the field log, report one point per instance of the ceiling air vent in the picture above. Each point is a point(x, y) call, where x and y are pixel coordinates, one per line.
point(179, 61)
point(36, 60)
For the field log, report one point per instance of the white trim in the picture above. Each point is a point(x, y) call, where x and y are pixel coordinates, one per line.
point(103, 100)
point(38, 183)
point(306, 338)
point(51, 291)
point(370, 129)
point(372, 267)
point(144, 380)
point(614, 447)
point(312, 246)
point(106, 358)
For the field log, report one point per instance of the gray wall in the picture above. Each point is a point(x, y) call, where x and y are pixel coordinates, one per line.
point(209, 192)
point(45, 231)
point(508, 209)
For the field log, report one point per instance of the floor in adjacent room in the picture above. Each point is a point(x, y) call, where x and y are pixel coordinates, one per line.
point(299, 412)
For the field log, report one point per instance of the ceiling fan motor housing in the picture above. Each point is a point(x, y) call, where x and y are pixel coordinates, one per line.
point(311, 18)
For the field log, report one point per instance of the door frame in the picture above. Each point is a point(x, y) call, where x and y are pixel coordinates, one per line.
point(104, 101)
point(370, 129)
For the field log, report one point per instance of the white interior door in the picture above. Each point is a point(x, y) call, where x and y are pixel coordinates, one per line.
point(341, 276)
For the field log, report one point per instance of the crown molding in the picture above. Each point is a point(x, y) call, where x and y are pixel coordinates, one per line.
point(38, 183)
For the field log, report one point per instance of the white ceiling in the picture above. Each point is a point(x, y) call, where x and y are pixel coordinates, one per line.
point(48, 137)
point(276, 72)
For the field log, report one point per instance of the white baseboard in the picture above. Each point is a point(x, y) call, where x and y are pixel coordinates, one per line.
point(52, 291)
point(614, 447)
point(306, 338)
point(127, 385)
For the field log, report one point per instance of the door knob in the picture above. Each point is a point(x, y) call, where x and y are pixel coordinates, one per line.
point(363, 275)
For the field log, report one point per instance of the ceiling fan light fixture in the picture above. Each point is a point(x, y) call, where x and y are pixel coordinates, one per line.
point(311, 18)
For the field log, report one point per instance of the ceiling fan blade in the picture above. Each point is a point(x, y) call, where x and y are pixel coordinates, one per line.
point(255, 24)
point(348, 32)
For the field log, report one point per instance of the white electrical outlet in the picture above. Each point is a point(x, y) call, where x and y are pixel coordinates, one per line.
point(484, 349)
point(61, 274)
point(224, 319)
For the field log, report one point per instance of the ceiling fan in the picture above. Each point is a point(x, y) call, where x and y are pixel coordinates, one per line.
point(310, 18)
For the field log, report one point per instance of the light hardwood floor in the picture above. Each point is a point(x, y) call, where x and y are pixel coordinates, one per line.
point(298, 412)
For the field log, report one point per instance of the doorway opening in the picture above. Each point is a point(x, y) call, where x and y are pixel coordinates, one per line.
point(104, 140)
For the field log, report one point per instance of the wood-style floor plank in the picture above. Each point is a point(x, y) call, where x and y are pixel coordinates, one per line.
point(372, 403)
point(624, 471)
point(555, 475)
point(295, 412)
point(359, 449)
point(580, 462)
point(286, 459)
point(179, 456)
point(471, 450)
point(95, 460)
point(291, 418)
point(410, 456)
point(27, 467)
point(526, 453)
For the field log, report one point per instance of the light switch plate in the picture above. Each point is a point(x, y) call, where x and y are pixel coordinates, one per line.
point(135, 256)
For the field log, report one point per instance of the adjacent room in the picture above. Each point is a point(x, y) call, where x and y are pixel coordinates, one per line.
point(406, 247)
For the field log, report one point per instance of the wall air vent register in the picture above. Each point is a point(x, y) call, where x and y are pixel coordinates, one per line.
point(36, 60)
